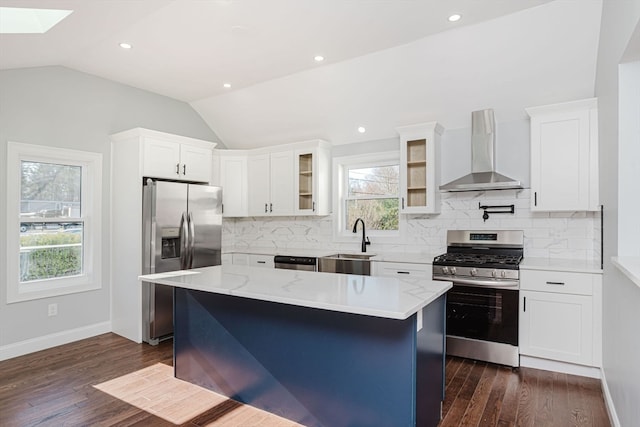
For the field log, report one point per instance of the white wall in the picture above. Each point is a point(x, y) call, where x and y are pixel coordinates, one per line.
point(621, 314)
point(55, 106)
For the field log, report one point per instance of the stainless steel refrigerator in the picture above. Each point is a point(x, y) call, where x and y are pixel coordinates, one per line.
point(182, 229)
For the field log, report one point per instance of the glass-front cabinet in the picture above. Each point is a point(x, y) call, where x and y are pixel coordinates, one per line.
point(312, 179)
point(305, 182)
point(419, 168)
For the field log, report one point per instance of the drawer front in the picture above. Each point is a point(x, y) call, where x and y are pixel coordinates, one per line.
point(398, 269)
point(557, 282)
point(261, 261)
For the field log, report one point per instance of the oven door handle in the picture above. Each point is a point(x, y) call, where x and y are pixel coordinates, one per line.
point(479, 282)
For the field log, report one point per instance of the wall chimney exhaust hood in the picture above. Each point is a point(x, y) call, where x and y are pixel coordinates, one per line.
point(483, 175)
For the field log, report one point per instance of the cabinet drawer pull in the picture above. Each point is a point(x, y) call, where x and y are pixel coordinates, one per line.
point(403, 272)
point(556, 283)
point(262, 262)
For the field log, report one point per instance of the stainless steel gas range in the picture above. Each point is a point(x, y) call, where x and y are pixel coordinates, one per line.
point(482, 306)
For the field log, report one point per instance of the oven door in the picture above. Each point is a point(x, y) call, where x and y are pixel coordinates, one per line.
point(485, 314)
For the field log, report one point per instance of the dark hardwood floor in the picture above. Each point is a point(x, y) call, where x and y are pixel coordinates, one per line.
point(483, 394)
point(55, 388)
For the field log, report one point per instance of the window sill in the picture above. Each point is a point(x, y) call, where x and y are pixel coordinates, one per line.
point(630, 266)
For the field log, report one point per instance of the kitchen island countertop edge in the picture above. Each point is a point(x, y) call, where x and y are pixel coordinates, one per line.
point(386, 297)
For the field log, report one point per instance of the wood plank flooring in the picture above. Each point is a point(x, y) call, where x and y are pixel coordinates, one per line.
point(57, 387)
point(483, 394)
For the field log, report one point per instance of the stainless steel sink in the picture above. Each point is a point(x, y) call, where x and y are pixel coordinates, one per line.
point(346, 263)
point(351, 256)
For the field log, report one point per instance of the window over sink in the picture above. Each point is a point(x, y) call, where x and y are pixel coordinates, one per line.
point(367, 187)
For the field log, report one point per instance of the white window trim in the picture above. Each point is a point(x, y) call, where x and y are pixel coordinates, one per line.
point(340, 164)
point(91, 197)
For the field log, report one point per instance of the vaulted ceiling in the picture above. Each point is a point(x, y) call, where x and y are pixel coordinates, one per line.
point(387, 62)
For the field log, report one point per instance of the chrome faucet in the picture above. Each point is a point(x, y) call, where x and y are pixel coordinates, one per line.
point(365, 240)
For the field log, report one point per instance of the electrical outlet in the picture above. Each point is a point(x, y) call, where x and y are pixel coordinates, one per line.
point(53, 310)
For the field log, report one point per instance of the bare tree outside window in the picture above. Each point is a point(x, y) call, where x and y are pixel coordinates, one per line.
point(373, 196)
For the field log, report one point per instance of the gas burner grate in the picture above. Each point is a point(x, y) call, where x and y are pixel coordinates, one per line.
point(478, 260)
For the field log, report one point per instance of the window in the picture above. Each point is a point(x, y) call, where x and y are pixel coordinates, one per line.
point(372, 194)
point(53, 221)
point(368, 188)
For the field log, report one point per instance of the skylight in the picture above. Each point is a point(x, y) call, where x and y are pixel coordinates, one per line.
point(17, 20)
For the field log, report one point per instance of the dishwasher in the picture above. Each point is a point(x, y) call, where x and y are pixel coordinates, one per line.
point(295, 262)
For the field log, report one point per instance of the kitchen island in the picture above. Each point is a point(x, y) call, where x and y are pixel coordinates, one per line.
point(321, 349)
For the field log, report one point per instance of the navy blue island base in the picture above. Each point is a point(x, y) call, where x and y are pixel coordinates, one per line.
point(315, 367)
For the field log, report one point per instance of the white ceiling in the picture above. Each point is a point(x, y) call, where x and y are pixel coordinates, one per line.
point(389, 62)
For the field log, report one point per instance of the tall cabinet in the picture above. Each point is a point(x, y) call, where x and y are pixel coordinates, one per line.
point(420, 167)
point(135, 154)
point(564, 156)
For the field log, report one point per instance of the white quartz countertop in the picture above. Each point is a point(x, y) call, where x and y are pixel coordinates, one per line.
point(630, 266)
point(387, 297)
point(559, 264)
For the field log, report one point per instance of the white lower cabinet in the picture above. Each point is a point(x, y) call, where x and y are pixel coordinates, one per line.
point(261, 261)
point(560, 316)
point(401, 269)
point(253, 260)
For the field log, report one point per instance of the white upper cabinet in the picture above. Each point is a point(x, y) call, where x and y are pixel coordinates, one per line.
point(312, 173)
point(270, 179)
point(175, 157)
point(232, 177)
point(420, 168)
point(564, 156)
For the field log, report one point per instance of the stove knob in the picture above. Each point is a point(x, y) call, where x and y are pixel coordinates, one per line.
point(474, 272)
point(445, 270)
point(503, 273)
point(453, 270)
point(494, 273)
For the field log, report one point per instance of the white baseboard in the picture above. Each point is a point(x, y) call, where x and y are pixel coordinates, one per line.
point(608, 401)
point(555, 366)
point(42, 343)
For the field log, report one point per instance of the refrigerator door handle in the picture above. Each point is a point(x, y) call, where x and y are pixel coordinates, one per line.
point(192, 240)
point(184, 241)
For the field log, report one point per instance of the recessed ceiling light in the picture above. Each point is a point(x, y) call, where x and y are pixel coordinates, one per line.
point(455, 17)
point(227, 85)
point(318, 58)
point(125, 45)
point(20, 20)
point(361, 129)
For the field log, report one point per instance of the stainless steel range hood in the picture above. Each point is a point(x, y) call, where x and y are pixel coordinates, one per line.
point(483, 175)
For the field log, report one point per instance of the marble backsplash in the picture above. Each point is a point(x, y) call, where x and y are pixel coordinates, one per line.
point(568, 235)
